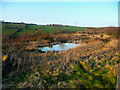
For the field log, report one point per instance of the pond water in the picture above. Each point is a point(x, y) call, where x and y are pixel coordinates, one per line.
point(59, 47)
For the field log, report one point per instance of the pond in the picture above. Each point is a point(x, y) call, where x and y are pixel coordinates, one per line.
point(59, 47)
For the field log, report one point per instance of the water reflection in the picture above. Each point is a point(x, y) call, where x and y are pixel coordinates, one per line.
point(59, 47)
point(62, 46)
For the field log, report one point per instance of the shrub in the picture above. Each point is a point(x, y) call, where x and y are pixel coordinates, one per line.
point(112, 31)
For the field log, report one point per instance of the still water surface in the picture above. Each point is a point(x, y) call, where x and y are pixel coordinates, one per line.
point(59, 47)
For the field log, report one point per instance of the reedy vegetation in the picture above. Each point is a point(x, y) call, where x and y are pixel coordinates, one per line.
point(94, 65)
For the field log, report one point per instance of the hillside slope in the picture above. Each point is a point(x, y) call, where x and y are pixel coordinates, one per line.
point(88, 66)
point(32, 29)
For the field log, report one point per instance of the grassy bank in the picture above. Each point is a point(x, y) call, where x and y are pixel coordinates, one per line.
point(94, 65)
point(89, 66)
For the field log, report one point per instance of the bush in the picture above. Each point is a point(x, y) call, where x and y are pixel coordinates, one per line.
point(112, 31)
point(51, 39)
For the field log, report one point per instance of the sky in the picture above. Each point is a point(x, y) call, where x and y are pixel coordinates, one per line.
point(88, 14)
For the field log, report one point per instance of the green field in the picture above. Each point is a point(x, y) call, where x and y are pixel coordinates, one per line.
point(32, 29)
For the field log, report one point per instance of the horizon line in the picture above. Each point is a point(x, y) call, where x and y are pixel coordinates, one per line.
point(55, 24)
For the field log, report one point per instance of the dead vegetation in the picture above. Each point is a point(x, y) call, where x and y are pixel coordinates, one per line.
point(94, 65)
